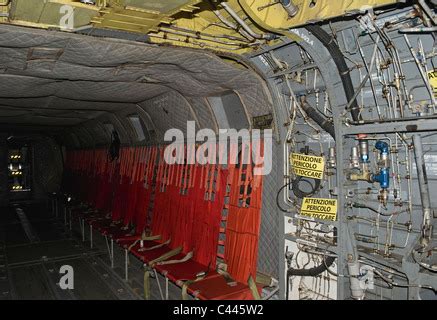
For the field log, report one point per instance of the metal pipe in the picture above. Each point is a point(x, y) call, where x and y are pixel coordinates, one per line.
point(166, 288)
point(200, 44)
point(65, 216)
point(70, 218)
point(159, 284)
point(290, 7)
point(213, 36)
point(423, 188)
point(419, 30)
point(126, 265)
point(112, 253)
point(428, 11)
point(82, 228)
point(91, 236)
point(232, 26)
point(243, 24)
point(422, 72)
point(203, 37)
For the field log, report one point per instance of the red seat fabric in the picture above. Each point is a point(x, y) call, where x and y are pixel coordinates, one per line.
point(216, 288)
point(187, 213)
point(184, 271)
point(149, 255)
point(243, 223)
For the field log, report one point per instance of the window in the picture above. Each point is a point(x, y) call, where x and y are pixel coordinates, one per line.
point(138, 126)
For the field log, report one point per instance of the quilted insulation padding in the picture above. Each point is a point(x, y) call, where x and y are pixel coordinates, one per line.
point(269, 257)
point(88, 77)
point(50, 69)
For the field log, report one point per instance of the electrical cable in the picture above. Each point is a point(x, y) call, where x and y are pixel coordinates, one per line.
point(312, 272)
point(302, 194)
point(278, 195)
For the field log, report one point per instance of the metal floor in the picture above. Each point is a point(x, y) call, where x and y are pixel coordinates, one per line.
point(33, 247)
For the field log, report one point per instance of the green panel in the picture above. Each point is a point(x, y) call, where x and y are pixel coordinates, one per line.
point(48, 14)
point(51, 15)
point(28, 10)
point(162, 6)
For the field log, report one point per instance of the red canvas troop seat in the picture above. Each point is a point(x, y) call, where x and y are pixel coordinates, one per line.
point(187, 201)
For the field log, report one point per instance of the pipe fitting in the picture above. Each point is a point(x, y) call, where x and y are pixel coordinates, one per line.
point(383, 178)
point(290, 7)
point(382, 147)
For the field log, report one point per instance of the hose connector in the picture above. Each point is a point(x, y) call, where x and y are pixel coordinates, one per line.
point(290, 7)
point(382, 147)
point(383, 178)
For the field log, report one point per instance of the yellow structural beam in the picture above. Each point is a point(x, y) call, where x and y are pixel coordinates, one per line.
point(271, 14)
point(189, 23)
point(4, 10)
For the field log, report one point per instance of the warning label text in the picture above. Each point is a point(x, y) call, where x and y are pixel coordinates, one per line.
point(308, 166)
point(323, 209)
point(432, 75)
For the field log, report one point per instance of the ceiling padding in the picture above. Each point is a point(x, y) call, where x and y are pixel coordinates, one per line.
point(50, 70)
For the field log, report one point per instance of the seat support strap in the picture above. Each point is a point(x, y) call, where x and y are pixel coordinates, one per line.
point(184, 259)
point(253, 288)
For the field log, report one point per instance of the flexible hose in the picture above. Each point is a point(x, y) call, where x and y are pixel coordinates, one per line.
point(338, 58)
point(302, 194)
point(313, 272)
point(277, 197)
point(323, 122)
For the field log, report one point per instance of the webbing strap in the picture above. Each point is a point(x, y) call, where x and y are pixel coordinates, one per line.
point(253, 288)
point(146, 284)
point(155, 247)
point(264, 279)
point(184, 259)
point(229, 280)
point(187, 284)
point(166, 256)
point(143, 238)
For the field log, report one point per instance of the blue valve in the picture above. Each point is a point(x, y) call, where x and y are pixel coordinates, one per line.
point(383, 178)
point(382, 147)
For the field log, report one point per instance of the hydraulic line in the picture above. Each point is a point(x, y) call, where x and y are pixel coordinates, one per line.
point(204, 37)
point(278, 195)
point(243, 24)
point(312, 272)
point(230, 25)
point(424, 189)
point(421, 71)
point(428, 11)
point(419, 30)
point(322, 121)
point(302, 194)
point(340, 62)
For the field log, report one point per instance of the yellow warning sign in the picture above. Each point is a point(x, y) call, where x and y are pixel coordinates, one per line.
point(317, 208)
point(432, 75)
point(308, 166)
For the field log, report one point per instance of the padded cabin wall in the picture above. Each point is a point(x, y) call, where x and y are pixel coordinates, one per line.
point(169, 111)
point(271, 228)
point(205, 115)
